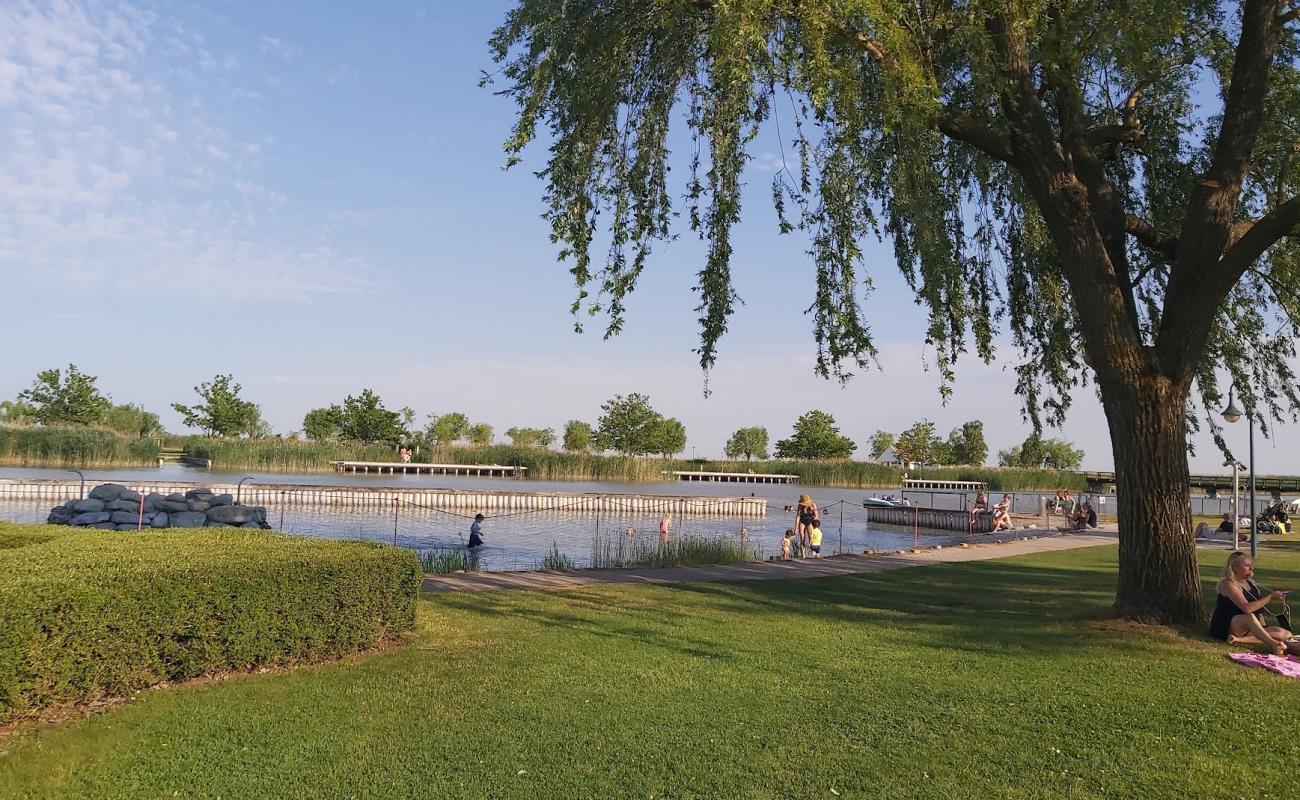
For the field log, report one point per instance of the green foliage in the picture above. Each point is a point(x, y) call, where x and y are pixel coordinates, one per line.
point(617, 551)
point(966, 444)
point(555, 560)
point(815, 436)
point(629, 425)
point(17, 412)
point(74, 447)
point(222, 412)
point(918, 444)
point(447, 428)
point(667, 438)
point(879, 442)
point(321, 424)
point(479, 434)
point(133, 420)
point(1036, 452)
point(446, 560)
point(531, 437)
point(58, 399)
point(577, 436)
point(364, 419)
point(747, 443)
point(93, 614)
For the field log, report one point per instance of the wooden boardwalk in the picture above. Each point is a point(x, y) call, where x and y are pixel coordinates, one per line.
point(412, 468)
point(765, 570)
point(734, 477)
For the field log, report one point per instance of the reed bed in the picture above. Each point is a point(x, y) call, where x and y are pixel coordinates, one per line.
point(33, 446)
point(612, 551)
point(447, 560)
point(556, 560)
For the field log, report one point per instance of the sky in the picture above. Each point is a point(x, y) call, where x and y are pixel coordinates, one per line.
point(316, 204)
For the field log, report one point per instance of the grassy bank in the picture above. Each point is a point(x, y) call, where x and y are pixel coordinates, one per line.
point(289, 455)
point(995, 679)
point(74, 447)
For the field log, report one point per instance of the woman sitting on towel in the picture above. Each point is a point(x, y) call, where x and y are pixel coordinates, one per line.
point(1237, 608)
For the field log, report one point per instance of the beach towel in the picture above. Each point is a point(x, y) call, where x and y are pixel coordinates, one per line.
point(1282, 665)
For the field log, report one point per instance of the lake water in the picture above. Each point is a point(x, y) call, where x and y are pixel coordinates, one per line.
point(519, 540)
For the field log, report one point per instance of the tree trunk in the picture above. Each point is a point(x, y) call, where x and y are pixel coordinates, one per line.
point(1158, 579)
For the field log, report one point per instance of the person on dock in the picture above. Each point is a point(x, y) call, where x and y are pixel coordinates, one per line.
point(1002, 514)
point(979, 507)
point(815, 538)
point(476, 532)
point(805, 514)
point(1238, 604)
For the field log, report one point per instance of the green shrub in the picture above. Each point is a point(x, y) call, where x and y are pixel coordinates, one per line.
point(89, 614)
point(74, 447)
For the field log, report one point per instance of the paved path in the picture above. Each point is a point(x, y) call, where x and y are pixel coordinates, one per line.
point(762, 570)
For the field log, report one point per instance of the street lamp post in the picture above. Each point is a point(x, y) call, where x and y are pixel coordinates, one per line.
point(1232, 414)
point(239, 490)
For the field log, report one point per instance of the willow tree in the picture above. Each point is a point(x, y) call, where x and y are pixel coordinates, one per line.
point(1110, 182)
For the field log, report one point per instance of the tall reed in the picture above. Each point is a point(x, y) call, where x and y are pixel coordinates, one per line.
point(615, 550)
point(74, 447)
point(447, 560)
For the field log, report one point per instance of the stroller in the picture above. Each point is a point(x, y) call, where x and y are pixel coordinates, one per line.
point(1273, 519)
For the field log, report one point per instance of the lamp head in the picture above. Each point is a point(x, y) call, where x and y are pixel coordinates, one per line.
point(1231, 413)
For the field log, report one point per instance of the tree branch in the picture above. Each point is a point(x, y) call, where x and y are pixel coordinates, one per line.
point(963, 127)
point(1267, 230)
point(1151, 237)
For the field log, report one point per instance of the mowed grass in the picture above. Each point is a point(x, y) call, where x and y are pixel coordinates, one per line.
point(997, 679)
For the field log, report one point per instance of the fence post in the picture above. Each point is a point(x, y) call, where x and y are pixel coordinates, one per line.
point(395, 522)
point(840, 548)
point(281, 511)
point(139, 523)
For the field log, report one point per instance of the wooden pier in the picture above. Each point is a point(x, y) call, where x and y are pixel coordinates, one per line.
point(734, 477)
point(411, 468)
point(937, 519)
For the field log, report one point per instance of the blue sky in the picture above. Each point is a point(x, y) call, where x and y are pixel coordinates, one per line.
point(315, 203)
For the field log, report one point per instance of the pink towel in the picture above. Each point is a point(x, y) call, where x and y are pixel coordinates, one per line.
point(1282, 665)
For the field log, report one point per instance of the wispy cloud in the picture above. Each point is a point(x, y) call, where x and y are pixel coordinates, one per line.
point(113, 170)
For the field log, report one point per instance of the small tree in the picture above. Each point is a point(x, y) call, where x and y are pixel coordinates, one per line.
point(749, 443)
point(364, 419)
point(479, 434)
point(222, 412)
point(967, 444)
point(628, 425)
point(1060, 454)
point(133, 420)
point(1035, 452)
point(918, 444)
point(321, 424)
point(815, 436)
point(667, 438)
point(577, 436)
point(879, 442)
point(531, 437)
point(16, 412)
point(57, 399)
point(447, 428)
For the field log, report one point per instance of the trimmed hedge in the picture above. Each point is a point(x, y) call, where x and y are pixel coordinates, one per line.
point(87, 614)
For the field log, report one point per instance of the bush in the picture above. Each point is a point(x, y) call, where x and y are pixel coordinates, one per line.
point(88, 614)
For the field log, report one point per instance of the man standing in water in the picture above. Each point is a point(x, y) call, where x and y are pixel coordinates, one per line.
point(476, 532)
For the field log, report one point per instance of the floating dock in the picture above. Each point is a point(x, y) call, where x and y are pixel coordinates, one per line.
point(406, 499)
point(411, 468)
point(939, 519)
point(734, 477)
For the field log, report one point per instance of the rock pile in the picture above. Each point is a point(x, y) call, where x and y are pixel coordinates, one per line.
point(115, 507)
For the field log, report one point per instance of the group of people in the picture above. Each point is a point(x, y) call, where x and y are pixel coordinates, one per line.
point(404, 453)
point(999, 512)
point(805, 538)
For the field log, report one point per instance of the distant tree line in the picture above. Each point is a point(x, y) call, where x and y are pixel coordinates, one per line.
point(629, 425)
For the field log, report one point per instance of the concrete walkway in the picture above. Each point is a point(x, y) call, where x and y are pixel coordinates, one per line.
point(763, 570)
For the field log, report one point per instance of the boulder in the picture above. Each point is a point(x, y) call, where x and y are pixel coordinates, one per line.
point(122, 505)
point(199, 505)
point(89, 504)
point(231, 515)
point(173, 505)
point(251, 525)
point(103, 526)
point(259, 515)
point(187, 519)
point(90, 518)
point(125, 518)
point(222, 500)
point(108, 491)
point(160, 520)
point(211, 524)
point(59, 516)
point(124, 527)
point(205, 495)
point(151, 501)
point(175, 497)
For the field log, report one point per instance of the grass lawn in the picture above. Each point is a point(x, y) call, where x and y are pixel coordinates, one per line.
point(983, 680)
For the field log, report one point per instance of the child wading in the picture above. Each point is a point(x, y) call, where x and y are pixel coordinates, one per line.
point(476, 532)
point(815, 538)
point(787, 545)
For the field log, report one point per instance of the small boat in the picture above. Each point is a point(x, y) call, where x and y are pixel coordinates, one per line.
point(881, 502)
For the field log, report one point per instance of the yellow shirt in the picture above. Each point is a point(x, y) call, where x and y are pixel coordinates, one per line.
point(815, 537)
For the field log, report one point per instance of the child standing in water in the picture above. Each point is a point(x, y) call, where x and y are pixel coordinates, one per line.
point(476, 532)
point(787, 545)
point(665, 528)
point(815, 539)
